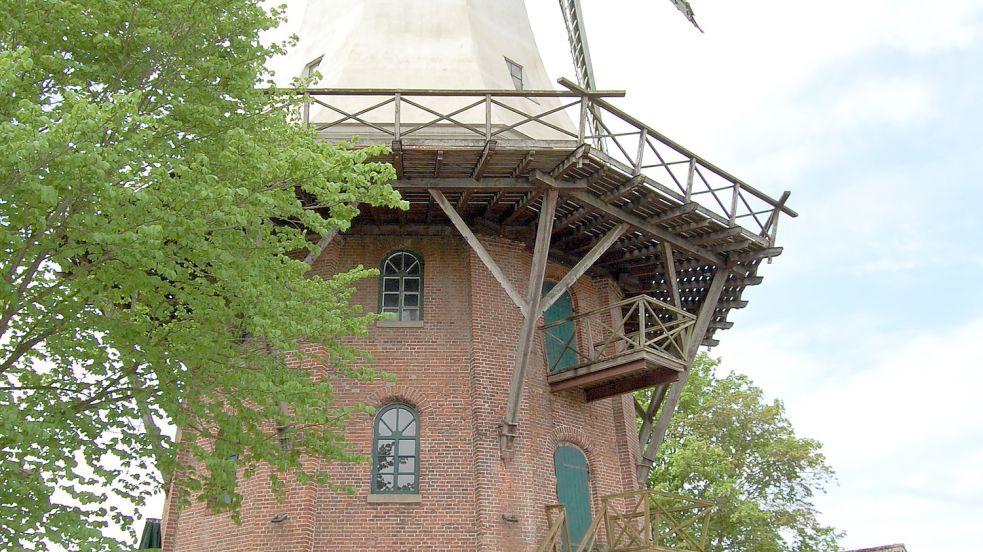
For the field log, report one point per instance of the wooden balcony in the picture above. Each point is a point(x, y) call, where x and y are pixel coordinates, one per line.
point(637, 343)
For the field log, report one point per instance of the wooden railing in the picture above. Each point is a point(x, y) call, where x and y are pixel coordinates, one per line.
point(635, 324)
point(618, 139)
point(557, 530)
point(649, 520)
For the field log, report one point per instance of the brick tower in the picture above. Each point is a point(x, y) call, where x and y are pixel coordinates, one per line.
point(557, 255)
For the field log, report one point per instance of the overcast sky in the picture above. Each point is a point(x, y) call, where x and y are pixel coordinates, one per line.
point(870, 113)
point(867, 327)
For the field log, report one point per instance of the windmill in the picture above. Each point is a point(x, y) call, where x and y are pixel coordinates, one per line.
point(545, 268)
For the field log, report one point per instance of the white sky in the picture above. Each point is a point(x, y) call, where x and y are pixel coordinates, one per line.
point(867, 326)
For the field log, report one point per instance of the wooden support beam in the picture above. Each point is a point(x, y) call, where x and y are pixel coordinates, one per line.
point(486, 155)
point(680, 243)
point(703, 320)
point(730, 246)
point(438, 163)
point(623, 189)
point(756, 255)
point(398, 158)
point(573, 161)
point(534, 292)
point(322, 243)
point(574, 217)
point(675, 212)
point(463, 202)
point(523, 165)
point(460, 184)
point(716, 236)
point(645, 432)
point(530, 198)
point(480, 250)
point(672, 281)
point(581, 267)
point(690, 226)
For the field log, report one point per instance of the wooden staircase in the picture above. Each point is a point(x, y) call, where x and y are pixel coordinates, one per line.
point(637, 521)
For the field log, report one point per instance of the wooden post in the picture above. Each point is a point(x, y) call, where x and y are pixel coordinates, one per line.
point(488, 107)
point(397, 101)
point(689, 179)
point(534, 293)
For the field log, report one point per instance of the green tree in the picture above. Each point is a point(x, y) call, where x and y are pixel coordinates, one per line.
point(728, 445)
point(155, 196)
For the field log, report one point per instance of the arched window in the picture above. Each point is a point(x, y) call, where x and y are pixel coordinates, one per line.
point(396, 450)
point(401, 286)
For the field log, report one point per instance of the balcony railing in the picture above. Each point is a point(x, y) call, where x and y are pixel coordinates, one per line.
point(639, 324)
point(573, 116)
point(649, 520)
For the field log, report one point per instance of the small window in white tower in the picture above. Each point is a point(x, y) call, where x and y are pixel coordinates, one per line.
point(515, 70)
point(310, 68)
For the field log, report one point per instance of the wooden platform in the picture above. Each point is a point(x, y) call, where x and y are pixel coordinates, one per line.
point(618, 375)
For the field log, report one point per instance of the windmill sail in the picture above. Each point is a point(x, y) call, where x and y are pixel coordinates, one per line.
point(683, 6)
point(577, 35)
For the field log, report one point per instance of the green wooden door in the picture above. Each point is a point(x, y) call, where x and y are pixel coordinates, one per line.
point(573, 490)
point(561, 343)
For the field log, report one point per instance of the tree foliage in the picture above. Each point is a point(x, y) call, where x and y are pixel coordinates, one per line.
point(728, 445)
point(149, 206)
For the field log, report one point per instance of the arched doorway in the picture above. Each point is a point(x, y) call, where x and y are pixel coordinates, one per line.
point(560, 341)
point(573, 490)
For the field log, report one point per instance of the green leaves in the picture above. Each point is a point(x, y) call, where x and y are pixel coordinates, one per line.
point(150, 225)
point(727, 444)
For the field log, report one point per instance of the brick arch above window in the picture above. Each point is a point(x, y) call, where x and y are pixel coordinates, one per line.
point(399, 393)
point(574, 436)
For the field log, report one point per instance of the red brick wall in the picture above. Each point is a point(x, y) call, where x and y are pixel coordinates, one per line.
point(456, 372)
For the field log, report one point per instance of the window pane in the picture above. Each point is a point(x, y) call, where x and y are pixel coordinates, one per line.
point(410, 429)
point(391, 284)
point(410, 314)
point(406, 482)
point(411, 300)
point(411, 284)
point(388, 422)
point(385, 447)
point(385, 464)
point(391, 266)
point(384, 482)
point(407, 447)
point(392, 310)
point(407, 464)
point(411, 265)
point(390, 300)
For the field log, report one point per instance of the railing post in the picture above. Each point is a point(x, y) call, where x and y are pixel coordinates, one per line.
point(582, 130)
point(488, 118)
point(637, 169)
point(592, 355)
point(689, 178)
point(774, 229)
point(733, 203)
point(396, 129)
point(641, 323)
